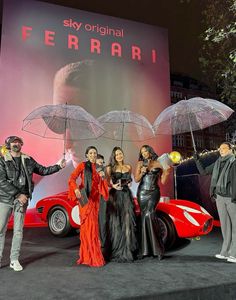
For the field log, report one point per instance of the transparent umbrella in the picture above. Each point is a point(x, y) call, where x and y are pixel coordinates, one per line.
point(191, 115)
point(125, 125)
point(62, 121)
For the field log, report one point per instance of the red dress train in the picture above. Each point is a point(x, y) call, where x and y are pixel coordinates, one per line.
point(90, 246)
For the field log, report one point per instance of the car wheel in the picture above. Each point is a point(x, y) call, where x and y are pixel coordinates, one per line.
point(168, 232)
point(58, 221)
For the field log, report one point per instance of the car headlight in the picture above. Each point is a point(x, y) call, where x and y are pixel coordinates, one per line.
point(189, 209)
point(204, 211)
point(190, 218)
point(207, 226)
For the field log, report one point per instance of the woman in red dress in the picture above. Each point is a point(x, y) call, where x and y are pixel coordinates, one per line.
point(91, 185)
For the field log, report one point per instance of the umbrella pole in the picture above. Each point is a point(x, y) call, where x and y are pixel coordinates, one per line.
point(122, 135)
point(175, 181)
point(191, 131)
point(64, 148)
point(65, 137)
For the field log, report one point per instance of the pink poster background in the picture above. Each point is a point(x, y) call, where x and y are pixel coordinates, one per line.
point(132, 72)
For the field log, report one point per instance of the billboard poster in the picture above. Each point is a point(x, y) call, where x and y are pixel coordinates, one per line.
point(53, 55)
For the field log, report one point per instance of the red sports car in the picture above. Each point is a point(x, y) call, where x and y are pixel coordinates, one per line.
point(178, 218)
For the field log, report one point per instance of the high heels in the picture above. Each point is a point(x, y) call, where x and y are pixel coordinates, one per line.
point(159, 256)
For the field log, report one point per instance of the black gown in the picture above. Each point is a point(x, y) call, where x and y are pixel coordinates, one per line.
point(102, 221)
point(148, 196)
point(121, 223)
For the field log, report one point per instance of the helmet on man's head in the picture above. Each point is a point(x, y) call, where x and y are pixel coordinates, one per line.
point(12, 139)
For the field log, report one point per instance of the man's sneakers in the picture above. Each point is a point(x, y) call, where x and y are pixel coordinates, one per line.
point(231, 259)
point(16, 266)
point(219, 256)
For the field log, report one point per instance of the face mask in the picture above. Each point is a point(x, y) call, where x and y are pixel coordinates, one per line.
point(16, 148)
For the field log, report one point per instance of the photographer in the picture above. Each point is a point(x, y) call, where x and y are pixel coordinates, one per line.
point(16, 187)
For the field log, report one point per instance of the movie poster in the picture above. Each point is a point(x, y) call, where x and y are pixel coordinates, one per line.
point(55, 55)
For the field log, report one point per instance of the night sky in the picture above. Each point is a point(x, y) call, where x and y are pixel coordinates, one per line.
point(182, 18)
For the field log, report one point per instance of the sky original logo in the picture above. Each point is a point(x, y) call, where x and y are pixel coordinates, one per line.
point(72, 24)
point(99, 29)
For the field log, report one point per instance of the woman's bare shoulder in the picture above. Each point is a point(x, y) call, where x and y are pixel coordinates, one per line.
point(157, 164)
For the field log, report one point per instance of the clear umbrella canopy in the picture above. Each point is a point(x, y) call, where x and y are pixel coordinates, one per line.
point(126, 125)
point(62, 121)
point(191, 115)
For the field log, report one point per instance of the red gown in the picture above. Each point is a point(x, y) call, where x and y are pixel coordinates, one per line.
point(90, 246)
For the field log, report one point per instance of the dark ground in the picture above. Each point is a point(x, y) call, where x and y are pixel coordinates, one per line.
point(189, 271)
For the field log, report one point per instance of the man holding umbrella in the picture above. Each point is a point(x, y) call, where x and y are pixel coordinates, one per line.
point(16, 187)
point(223, 189)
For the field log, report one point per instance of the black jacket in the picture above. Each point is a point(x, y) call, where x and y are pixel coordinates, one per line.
point(231, 180)
point(9, 183)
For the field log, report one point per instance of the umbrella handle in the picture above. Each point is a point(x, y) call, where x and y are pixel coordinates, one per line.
point(64, 147)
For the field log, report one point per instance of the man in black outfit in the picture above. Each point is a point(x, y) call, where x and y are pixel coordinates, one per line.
point(223, 189)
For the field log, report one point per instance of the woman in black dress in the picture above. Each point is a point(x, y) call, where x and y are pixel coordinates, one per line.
point(121, 224)
point(148, 172)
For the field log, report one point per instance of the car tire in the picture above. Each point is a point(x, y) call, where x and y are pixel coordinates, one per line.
point(168, 231)
point(58, 221)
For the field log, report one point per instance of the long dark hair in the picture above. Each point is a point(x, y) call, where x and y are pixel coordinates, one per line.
point(88, 172)
point(112, 161)
point(154, 156)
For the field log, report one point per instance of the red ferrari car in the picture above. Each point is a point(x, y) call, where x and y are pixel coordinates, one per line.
point(32, 219)
point(177, 218)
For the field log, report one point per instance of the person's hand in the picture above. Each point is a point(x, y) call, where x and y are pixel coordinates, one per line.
point(101, 174)
point(196, 156)
point(77, 194)
point(168, 169)
point(22, 198)
point(117, 186)
point(143, 170)
point(62, 163)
